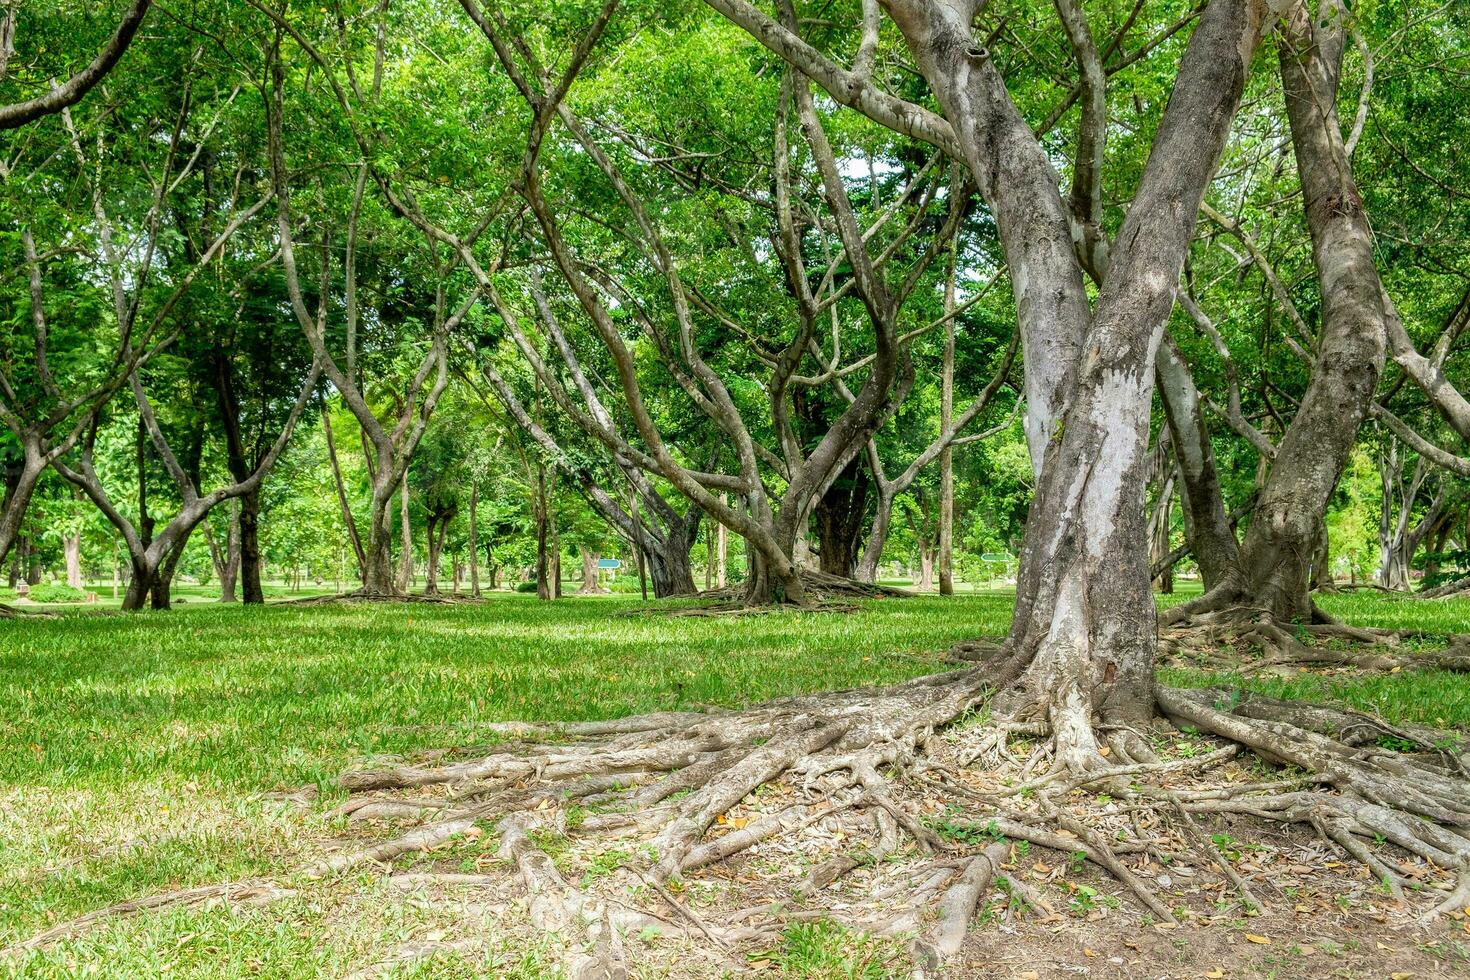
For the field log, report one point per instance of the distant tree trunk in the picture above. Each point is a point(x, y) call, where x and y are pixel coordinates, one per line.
point(434, 536)
point(348, 521)
point(543, 586)
point(1207, 528)
point(926, 568)
point(72, 545)
point(1158, 530)
point(234, 559)
point(722, 552)
point(1438, 538)
point(589, 571)
point(405, 545)
point(227, 559)
point(474, 547)
point(554, 536)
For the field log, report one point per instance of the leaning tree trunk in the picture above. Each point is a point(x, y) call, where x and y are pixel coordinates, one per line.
point(867, 566)
point(1207, 527)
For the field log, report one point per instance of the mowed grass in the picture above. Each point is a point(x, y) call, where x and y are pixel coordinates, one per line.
point(135, 751)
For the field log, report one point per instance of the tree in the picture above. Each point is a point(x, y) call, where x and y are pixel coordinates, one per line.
point(389, 445)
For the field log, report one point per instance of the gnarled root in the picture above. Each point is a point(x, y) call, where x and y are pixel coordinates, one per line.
point(905, 811)
point(1251, 640)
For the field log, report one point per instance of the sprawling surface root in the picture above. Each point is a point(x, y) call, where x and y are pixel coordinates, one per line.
point(904, 811)
point(821, 588)
point(1459, 586)
point(359, 595)
point(15, 612)
point(1251, 640)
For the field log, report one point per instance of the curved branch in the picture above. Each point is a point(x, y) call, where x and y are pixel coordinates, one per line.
point(71, 91)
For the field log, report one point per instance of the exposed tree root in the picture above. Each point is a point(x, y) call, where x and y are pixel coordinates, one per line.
point(818, 586)
point(909, 795)
point(359, 595)
point(1449, 590)
point(235, 893)
point(15, 612)
point(1251, 640)
point(739, 607)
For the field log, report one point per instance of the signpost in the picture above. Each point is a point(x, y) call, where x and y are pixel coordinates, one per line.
point(609, 563)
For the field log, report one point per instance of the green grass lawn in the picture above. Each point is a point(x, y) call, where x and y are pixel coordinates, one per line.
point(134, 749)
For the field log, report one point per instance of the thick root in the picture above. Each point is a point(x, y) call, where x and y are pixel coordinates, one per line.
point(1251, 640)
point(903, 811)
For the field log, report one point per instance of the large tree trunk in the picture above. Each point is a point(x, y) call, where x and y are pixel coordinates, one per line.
point(1281, 541)
point(161, 593)
point(839, 514)
point(1083, 639)
point(669, 567)
point(140, 586)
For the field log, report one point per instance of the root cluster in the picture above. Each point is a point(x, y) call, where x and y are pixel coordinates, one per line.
point(1251, 640)
point(903, 811)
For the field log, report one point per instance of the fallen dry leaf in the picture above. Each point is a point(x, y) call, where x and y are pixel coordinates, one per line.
point(1215, 974)
point(1257, 938)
